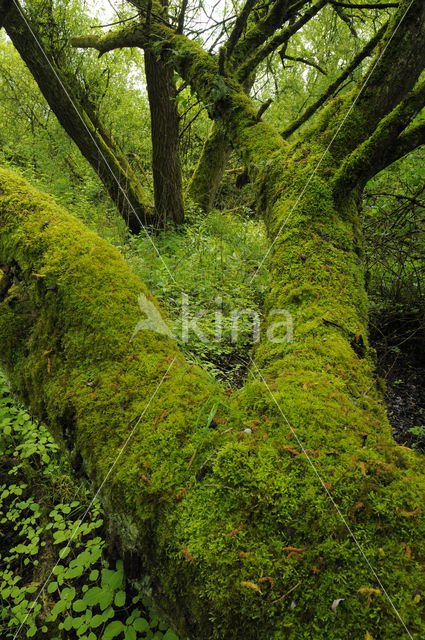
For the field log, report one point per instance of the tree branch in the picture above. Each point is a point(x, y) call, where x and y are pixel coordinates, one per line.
point(310, 63)
point(379, 151)
point(182, 14)
point(239, 26)
point(278, 39)
point(364, 53)
point(368, 5)
point(406, 143)
point(260, 31)
point(343, 16)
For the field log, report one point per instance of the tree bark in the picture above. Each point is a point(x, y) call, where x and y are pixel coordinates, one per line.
point(4, 8)
point(165, 141)
point(82, 124)
point(207, 176)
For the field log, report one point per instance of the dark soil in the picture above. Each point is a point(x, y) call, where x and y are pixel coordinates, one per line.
point(404, 373)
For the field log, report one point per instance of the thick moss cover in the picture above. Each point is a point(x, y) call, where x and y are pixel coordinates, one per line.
point(236, 530)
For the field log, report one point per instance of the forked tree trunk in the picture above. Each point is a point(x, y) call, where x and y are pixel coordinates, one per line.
point(225, 522)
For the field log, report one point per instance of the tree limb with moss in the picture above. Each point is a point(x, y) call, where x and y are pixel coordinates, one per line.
point(78, 116)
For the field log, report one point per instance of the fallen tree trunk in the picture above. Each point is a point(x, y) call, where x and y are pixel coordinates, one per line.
point(232, 527)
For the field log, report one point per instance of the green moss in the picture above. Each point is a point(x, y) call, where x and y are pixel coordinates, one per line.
point(216, 513)
point(209, 170)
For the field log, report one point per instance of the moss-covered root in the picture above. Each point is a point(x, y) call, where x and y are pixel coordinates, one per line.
point(236, 531)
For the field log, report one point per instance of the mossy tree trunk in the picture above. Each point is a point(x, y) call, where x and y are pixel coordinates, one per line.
point(238, 530)
point(223, 522)
point(78, 117)
point(206, 179)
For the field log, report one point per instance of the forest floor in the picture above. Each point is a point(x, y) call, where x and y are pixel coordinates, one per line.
point(404, 374)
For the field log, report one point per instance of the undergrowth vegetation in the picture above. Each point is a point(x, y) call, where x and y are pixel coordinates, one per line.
point(51, 534)
point(211, 260)
point(394, 226)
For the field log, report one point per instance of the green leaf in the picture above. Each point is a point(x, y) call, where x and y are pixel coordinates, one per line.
point(58, 608)
point(112, 579)
point(68, 623)
point(141, 625)
point(130, 633)
point(79, 605)
point(68, 594)
point(105, 599)
point(96, 621)
point(119, 599)
point(52, 587)
point(170, 635)
point(92, 596)
point(113, 629)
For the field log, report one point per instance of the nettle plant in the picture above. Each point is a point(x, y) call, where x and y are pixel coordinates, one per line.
point(43, 538)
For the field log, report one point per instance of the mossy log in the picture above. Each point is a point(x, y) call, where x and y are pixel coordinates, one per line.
point(235, 530)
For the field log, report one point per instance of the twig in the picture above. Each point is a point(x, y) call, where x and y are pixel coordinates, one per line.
point(287, 593)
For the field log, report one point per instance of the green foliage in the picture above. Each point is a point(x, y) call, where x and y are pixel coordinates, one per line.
point(33, 143)
point(45, 545)
point(393, 225)
point(212, 259)
point(419, 432)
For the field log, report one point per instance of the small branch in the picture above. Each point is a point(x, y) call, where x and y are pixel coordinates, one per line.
point(112, 24)
point(191, 121)
point(139, 164)
point(263, 108)
point(310, 63)
point(342, 15)
point(373, 5)
point(287, 593)
point(399, 196)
